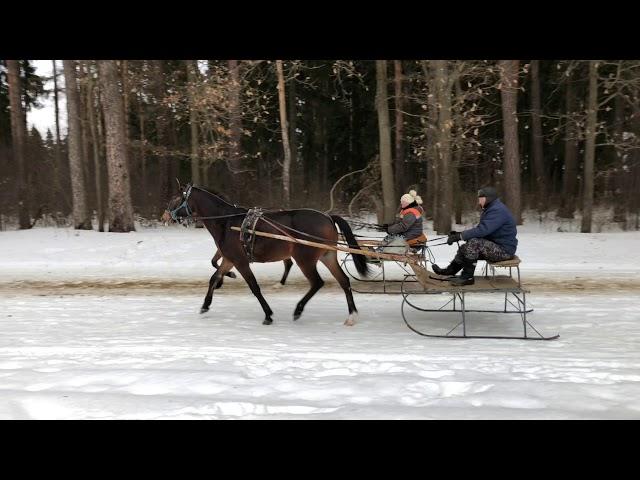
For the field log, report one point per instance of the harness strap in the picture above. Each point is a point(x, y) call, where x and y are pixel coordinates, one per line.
point(248, 239)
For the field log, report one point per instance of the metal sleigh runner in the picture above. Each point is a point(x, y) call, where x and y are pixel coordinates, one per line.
point(515, 299)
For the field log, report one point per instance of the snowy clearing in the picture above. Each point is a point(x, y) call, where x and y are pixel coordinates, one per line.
point(101, 325)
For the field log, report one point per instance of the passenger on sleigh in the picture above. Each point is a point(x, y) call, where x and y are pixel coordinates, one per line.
point(407, 230)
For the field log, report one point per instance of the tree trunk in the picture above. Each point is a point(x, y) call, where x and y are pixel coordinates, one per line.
point(457, 186)
point(509, 96)
point(84, 129)
point(443, 83)
point(590, 148)
point(143, 160)
point(621, 194)
point(634, 175)
point(57, 181)
point(293, 137)
point(399, 146)
point(125, 94)
point(174, 160)
point(569, 179)
point(235, 126)
point(92, 111)
point(386, 168)
point(457, 164)
point(120, 211)
point(539, 180)
point(192, 75)
point(161, 134)
point(431, 132)
point(81, 217)
point(17, 136)
point(284, 127)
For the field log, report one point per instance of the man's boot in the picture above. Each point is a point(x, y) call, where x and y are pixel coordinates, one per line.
point(453, 268)
point(466, 277)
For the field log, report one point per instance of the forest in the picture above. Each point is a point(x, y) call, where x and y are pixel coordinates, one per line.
point(557, 137)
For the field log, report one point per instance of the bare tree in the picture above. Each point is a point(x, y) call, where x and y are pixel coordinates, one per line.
point(399, 130)
point(620, 207)
point(569, 180)
point(17, 136)
point(293, 136)
point(192, 75)
point(120, 210)
point(81, 216)
point(590, 148)
point(93, 111)
point(536, 136)
point(162, 139)
point(443, 82)
point(57, 159)
point(235, 125)
point(509, 95)
point(386, 169)
point(284, 127)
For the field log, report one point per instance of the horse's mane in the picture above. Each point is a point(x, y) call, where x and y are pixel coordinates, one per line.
point(221, 195)
point(214, 191)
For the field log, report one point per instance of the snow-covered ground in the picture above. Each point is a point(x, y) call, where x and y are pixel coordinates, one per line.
point(99, 325)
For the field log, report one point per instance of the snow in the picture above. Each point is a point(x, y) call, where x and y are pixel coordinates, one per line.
point(100, 325)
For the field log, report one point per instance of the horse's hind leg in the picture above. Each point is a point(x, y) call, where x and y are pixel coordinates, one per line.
point(311, 272)
point(330, 260)
point(214, 283)
point(214, 260)
point(247, 274)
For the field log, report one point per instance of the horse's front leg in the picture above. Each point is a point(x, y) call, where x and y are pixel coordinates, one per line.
point(214, 281)
point(243, 267)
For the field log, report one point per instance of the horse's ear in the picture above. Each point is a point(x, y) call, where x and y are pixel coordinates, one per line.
point(179, 186)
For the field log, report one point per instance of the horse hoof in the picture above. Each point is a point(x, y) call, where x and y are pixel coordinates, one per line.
point(296, 316)
point(204, 310)
point(351, 320)
point(267, 321)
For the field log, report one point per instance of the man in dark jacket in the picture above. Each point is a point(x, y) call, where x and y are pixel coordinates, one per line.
point(494, 239)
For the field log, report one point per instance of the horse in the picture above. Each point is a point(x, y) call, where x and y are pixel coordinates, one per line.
point(218, 216)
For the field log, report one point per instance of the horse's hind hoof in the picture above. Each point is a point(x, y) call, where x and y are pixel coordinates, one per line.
point(267, 321)
point(351, 320)
point(204, 310)
point(296, 316)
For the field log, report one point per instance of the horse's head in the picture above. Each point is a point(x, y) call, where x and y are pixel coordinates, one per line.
point(178, 208)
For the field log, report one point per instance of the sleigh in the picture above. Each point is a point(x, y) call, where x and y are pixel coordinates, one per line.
point(419, 285)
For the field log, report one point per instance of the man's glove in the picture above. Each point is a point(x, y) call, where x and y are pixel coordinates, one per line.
point(453, 237)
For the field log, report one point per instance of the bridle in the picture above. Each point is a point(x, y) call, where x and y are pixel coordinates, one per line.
point(184, 204)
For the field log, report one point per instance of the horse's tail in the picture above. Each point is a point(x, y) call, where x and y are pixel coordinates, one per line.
point(359, 260)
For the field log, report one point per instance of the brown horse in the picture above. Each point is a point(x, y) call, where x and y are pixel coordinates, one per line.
point(219, 216)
